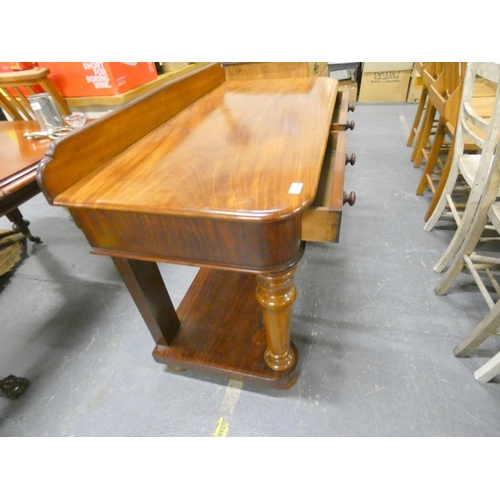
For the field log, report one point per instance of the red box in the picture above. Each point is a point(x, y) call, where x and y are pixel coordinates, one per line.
point(6, 67)
point(83, 79)
point(9, 67)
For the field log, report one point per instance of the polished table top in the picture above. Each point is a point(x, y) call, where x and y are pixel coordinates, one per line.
point(244, 151)
point(19, 156)
point(19, 159)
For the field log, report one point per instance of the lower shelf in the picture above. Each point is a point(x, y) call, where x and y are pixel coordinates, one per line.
point(222, 332)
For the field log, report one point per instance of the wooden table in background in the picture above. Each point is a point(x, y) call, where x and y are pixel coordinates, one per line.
point(232, 177)
point(19, 159)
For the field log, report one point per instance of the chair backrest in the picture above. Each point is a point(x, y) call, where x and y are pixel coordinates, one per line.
point(14, 86)
point(483, 131)
point(446, 90)
point(480, 127)
point(481, 171)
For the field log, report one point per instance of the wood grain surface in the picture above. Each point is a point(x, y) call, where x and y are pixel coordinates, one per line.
point(70, 159)
point(235, 153)
point(17, 153)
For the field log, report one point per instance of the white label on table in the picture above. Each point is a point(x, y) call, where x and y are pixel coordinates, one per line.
point(35, 106)
point(295, 188)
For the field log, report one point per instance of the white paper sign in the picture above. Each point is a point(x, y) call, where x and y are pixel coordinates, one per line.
point(295, 188)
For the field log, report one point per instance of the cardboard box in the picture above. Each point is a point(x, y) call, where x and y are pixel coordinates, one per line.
point(83, 79)
point(169, 67)
point(415, 89)
point(384, 86)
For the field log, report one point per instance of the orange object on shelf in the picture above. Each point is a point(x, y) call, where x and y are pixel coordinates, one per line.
point(8, 67)
point(83, 79)
point(15, 66)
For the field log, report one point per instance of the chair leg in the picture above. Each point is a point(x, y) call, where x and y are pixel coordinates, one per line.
point(473, 231)
point(433, 156)
point(445, 172)
point(421, 131)
point(451, 251)
point(20, 224)
point(489, 370)
point(468, 217)
point(487, 327)
point(445, 187)
point(470, 228)
point(423, 136)
point(450, 276)
point(418, 116)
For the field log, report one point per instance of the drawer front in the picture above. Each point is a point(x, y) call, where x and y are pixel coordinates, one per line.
point(321, 221)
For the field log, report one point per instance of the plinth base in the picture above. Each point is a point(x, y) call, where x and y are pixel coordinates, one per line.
point(222, 332)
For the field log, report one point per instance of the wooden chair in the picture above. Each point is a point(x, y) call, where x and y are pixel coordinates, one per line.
point(474, 168)
point(436, 172)
point(444, 96)
point(423, 128)
point(33, 81)
point(13, 101)
point(422, 106)
point(482, 207)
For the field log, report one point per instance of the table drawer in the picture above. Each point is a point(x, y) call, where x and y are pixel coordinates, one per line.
point(321, 221)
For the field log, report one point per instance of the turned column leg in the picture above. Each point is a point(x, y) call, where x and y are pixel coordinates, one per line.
point(276, 293)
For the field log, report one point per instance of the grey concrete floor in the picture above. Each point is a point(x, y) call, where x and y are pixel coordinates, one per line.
point(375, 343)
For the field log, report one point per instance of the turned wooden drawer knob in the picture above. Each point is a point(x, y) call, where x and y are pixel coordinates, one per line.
point(351, 106)
point(350, 198)
point(350, 125)
point(350, 159)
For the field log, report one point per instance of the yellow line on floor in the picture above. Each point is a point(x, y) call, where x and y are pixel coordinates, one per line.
point(227, 406)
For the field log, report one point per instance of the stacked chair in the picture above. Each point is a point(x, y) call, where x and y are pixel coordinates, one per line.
point(421, 109)
point(424, 123)
point(481, 98)
point(481, 171)
point(14, 85)
point(442, 93)
point(465, 164)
